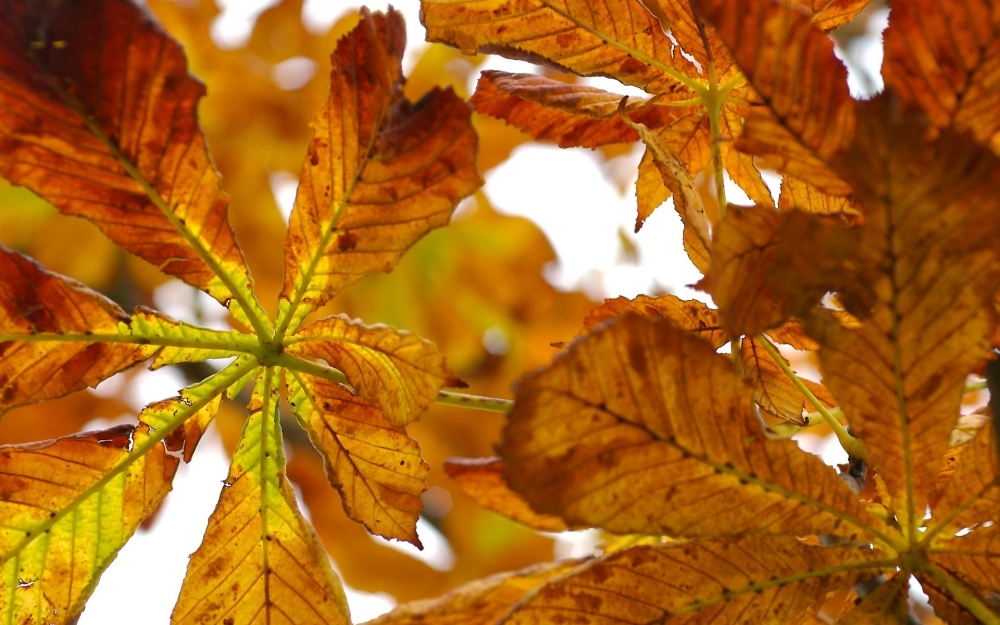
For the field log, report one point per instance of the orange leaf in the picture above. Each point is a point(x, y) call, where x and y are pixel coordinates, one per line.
point(638, 421)
point(802, 196)
point(483, 480)
point(374, 465)
point(48, 331)
point(807, 114)
point(691, 315)
point(379, 174)
point(98, 116)
point(773, 390)
point(395, 371)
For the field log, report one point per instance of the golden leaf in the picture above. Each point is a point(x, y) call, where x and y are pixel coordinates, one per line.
point(773, 389)
point(374, 465)
point(744, 579)
point(397, 372)
point(480, 602)
point(380, 171)
point(68, 506)
point(691, 315)
point(638, 421)
point(260, 558)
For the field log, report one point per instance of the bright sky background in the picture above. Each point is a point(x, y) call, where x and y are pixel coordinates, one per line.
point(564, 191)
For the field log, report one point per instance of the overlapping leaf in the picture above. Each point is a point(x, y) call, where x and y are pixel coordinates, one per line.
point(642, 428)
point(948, 62)
point(380, 171)
point(480, 602)
point(397, 372)
point(99, 117)
point(690, 315)
point(773, 389)
point(68, 506)
point(747, 579)
point(375, 466)
point(260, 560)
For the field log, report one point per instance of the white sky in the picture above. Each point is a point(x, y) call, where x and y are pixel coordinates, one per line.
point(563, 191)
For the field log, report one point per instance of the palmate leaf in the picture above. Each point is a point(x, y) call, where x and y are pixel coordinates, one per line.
point(83, 125)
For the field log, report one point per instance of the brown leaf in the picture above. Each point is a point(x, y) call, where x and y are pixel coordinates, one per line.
point(374, 465)
point(808, 113)
point(380, 171)
point(483, 480)
point(886, 605)
point(99, 116)
point(773, 389)
point(48, 330)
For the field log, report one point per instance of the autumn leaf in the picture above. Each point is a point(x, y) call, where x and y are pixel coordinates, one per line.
point(69, 506)
point(97, 146)
point(773, 389)
point(373, 463)
point(480, 602)
point(483, 480)
point(638, 421)
point(379, 174)
point(696, 95)
point(260, 558)
point(117, 141)
point(690, 315)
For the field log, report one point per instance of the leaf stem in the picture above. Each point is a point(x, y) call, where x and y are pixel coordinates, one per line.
point(448, 398)
point(961, 593)
point(855, 447)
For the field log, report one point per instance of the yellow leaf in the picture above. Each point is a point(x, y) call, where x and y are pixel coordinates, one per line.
point(642, 428)
point(56, 335)
point(397, 372)
point(380, 171)
point(260, 558)
point(99, 116)
point(183, 342)
point(773, 389)
point(799, 195)
point(480, 602)
point(68, 506)
point(744, 579)
point(374, 465)
point(483, 480)
point(886, 605)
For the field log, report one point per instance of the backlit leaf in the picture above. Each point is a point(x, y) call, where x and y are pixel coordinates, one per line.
point(483, 480)
point(68, 506)
point(99, 117)
point(49, 326)
point(748, 579)
point(773, 389)
point(948, 62)
point(260, 560)
point(691, 315)
point(184, 342)
point(925, 306)
point(642, 428)
point(799, 195)
point(808, 114)
point(886, 605)
point(380, 171)
point(480, 602)
point(396, 372)
point(374, 465)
